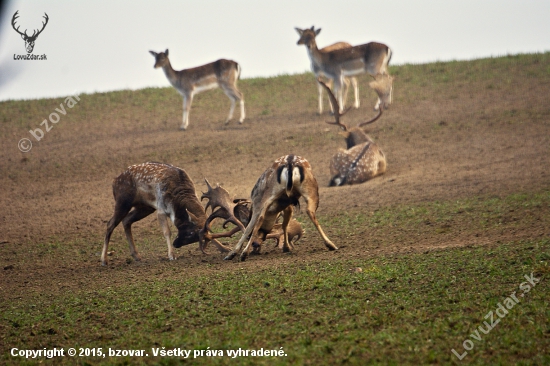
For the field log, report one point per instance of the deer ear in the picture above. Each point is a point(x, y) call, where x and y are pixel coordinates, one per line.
point(153, 53)
point(318, 31)
point(192, 217)
point(300, 31)
point(23, 36)
point(166, 52)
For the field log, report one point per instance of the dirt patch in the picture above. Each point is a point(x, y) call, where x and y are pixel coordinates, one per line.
point(442, 142)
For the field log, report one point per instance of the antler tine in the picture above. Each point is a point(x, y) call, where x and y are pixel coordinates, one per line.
point(43, 24)
point(372, 120)
point(335, 107)
point(15, 16)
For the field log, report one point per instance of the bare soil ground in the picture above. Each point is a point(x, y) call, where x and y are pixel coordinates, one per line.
point(445, 139)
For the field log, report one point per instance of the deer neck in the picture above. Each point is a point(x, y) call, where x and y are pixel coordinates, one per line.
point(315, 56)
point(170, 73)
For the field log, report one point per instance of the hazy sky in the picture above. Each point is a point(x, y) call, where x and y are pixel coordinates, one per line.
point(103, 45)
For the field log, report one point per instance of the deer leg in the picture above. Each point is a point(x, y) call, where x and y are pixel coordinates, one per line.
point(245, 235)
point(287, 215)
point(355, 91)
point(311, 208)
point(136, 214)
point(121, 210)
point(163, 221)
point(345, 91)
point(320, 91)
point(233, 94)
point(257, 226)
point(338, 83)
point(187, 100)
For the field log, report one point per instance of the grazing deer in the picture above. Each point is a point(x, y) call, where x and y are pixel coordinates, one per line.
point(318, 73)
point(294, 230)
point(372, 58)
point(29, 40)
point(277, 190)
point(145, 188)
point(362, 159)
point(188, 82)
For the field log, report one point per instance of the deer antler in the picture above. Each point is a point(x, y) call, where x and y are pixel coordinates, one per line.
point(43, 26)
point(222, 206)
point(15, 16)
point(335, 107)
point(372, 120)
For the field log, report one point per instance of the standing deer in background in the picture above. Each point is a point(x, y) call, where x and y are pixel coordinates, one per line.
point(188, 82)
point(362, 159)
point(319, 73)
point(277, 190)
point(372, 58)
point(145, 188)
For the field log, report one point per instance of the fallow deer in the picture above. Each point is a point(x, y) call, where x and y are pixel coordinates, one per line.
point(347, 81)
point(188, 82)
point(277, 190)
point(362, 159)
point(372, 58)
point(145, 188)
point(237, 211)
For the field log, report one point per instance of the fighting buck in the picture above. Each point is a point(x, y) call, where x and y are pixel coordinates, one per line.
point(145, 188)
point(362, 159)
point(237, 212)
point(372, 58)
point(347, 81)
point(277, 190)
point(188, 82)
point(29, 40)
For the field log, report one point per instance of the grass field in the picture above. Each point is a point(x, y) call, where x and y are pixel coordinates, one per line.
point(430, 253)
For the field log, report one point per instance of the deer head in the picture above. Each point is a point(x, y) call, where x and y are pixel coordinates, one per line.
point(161, 58)
point(383, 86)
point(307, 36)
point(29, 40)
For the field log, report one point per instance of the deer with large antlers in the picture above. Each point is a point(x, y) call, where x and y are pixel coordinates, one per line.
point(371, 58)
point(145, 188)
point(188, 82)
point(29, 40)
point(277, 190)
point(237, 212)
point(362, 159)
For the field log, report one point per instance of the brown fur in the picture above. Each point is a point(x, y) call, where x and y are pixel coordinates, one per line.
point(277, 190)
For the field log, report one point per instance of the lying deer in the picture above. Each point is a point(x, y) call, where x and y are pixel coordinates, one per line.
point(237, 212)
point(362, 159)
point(371, 58)
point(277, 190)
point(188, 82)
point(145, 188)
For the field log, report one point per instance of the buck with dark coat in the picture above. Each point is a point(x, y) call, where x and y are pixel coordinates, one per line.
point(277, 190)
point(145, 188)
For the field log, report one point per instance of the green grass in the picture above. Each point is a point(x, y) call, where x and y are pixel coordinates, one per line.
point(401, 309)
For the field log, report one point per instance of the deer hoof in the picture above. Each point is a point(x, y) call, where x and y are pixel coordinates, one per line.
point(230, 256)
point(243, 257)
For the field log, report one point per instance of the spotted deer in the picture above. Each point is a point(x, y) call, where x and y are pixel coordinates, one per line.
point(371, 58)
point(237, 212)
point(277, 190)
point(188, 82)
point(362, 159)
point(145, 188)
point(319, 74)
